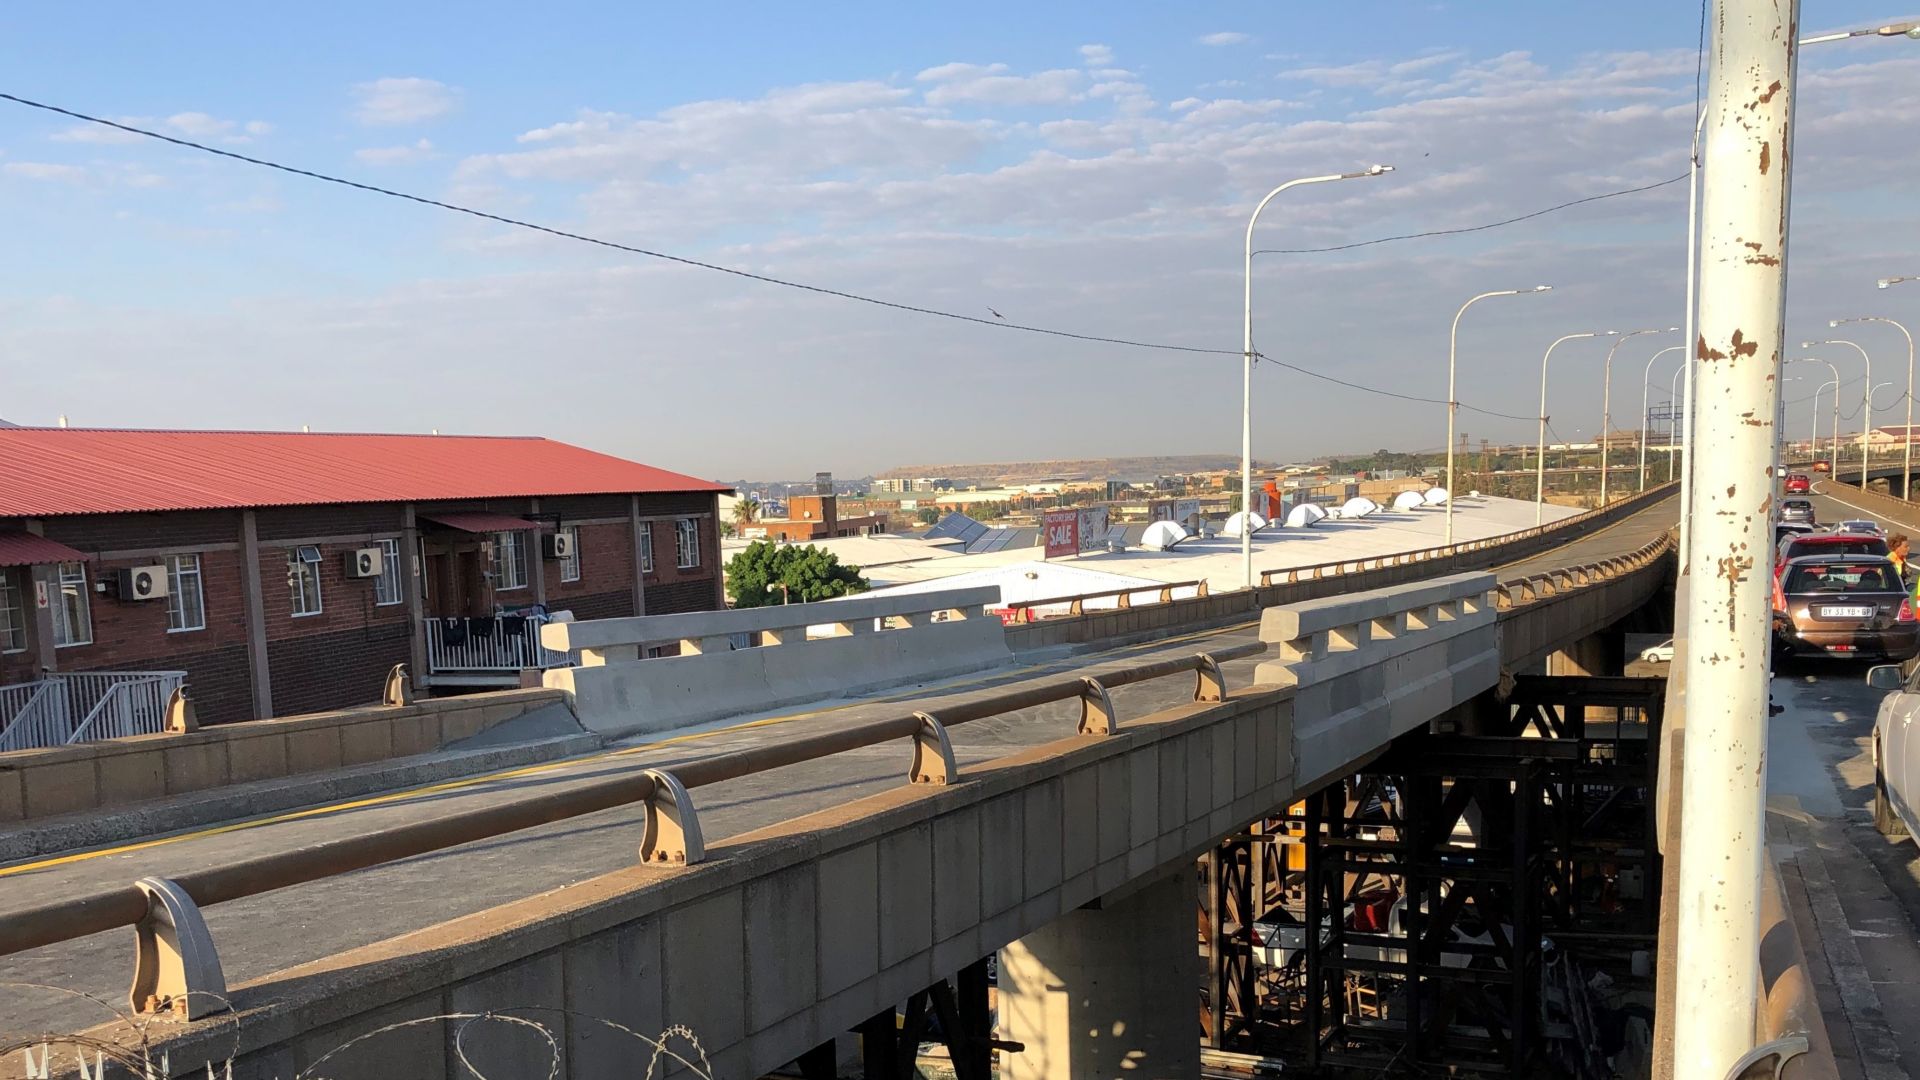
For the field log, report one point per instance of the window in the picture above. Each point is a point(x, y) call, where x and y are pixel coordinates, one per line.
point(72, 617)
point(386, 587)
point(510, 561)
point(686, 542)
point(646, 547)
point(303, 580)
point(570, 566)
point(186, 603)
point(13, 615)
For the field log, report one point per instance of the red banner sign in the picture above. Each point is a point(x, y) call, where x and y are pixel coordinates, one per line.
point(1062, 533)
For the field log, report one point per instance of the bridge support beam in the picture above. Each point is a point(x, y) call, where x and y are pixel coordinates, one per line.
point(1107, 992)
point(1595, 654)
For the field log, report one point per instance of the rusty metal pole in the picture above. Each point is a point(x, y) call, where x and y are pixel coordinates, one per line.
point(1747, 147)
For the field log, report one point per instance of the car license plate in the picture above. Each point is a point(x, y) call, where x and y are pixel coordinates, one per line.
point(1846, 612)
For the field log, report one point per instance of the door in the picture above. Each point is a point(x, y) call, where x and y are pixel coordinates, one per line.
point(1898, 744)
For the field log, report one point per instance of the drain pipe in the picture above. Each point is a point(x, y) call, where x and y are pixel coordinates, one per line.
point(1747, 146)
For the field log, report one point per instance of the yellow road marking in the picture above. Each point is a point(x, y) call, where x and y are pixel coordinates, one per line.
point(568, 763)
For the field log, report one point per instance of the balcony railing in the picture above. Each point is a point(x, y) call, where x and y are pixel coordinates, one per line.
point(487, 650)
point(84, 707)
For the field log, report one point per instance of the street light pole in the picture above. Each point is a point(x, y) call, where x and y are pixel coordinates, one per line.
point(1645, 381)
point(1676, 437)
point(1834, 466)
point(1246, 389)
point(1741, 296)
point(1906, 464)
point(1606, 404)
point(1540, 455)
point(1835, 383)
point(1453, 400)
point(1866, 423)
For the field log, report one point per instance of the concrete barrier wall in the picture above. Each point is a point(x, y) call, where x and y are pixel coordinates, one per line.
point(1372, 666)
point(617, 692)
point(37, 784)
point(783, 937)
point(1195, 613)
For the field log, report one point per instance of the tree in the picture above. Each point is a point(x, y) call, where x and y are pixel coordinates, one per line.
point(746, 510)
point(809, 573)
point(727, 529)
point(927, 515)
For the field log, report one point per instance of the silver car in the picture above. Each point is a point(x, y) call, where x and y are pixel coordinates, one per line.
point(1797, 510)
point(1896, 749)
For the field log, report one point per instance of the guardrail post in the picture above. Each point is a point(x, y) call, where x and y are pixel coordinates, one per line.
point(399, 688)
point(672, 832)
point(1097, 716)
point(179, 713)
point(933, 761)
point(1210, 684)
point(176, 970)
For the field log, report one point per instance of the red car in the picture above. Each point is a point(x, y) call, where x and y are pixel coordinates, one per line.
point(1799, 484)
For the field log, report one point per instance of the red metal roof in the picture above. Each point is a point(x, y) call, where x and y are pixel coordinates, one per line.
point(479, 521)
point(46, 472)
point(26, 549)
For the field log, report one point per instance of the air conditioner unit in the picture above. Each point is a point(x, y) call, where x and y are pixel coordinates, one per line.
point(142, 582)
point(366, 562)
point(558, 545)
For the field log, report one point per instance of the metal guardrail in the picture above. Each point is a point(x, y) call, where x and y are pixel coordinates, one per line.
point(461, 645)
point(1077, 601)
point(177, 969)
point(71, 707)
point(1519, 592)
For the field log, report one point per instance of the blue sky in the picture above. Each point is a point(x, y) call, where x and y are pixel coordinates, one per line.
point(1069, 165)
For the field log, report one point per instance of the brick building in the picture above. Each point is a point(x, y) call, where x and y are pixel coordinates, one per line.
point(287, 573)
point(818, 517)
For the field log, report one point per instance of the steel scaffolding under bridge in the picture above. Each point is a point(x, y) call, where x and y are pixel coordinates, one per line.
point(1496, 896)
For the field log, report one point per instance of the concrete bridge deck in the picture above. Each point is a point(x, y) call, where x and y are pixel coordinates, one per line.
point(275, 931)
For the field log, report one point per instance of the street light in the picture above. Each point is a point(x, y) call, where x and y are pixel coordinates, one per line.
point(1906, 466)
point(1899, 29)
point(1246, 392)
point(1887, 281)
point(1866, 424)
point(1606, 403)
point(1540, 455)
point(1453, 403)
point(1680, 426)
point(1644, 378)
point(1833, 466)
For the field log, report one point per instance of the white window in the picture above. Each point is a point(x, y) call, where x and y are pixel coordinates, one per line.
point(303, 580)
point(386, 587)
point(186, 602)
point(646, 547)
point(570, 566)
point(686, 542)
point(13, 615)
point(510, 561)
point(72, 614)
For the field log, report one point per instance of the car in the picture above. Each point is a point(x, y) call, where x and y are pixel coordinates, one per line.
point(1784, 529)
point(1794, 545)
point(1799, 484)
point(1821, 466)
point(1860, 527)
point(1797, 510)
point(1896, 749)
point(1658, 654)
point(1843, 606)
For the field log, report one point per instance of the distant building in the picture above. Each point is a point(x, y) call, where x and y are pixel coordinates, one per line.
point(288, 572)
point(817, 517)
point(1893, 435)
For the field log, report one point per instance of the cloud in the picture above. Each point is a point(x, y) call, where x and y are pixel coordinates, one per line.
point(198, 126)
point(46, 170)
point(99, 134)
point(990, 85)
point(391, 101)
point(396, 155)
point(1097, 56)
point(1224, 37)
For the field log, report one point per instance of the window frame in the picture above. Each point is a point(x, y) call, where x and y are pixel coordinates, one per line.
point(389, 572)
point(646, 547)
point(513, 540)
point(61, 582)
point(572, 560)
point(176, 574)
point(298, 570)
point(9, 588)
point(686, 544)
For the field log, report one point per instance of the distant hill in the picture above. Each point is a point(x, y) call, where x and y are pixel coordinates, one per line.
point(1018, 472)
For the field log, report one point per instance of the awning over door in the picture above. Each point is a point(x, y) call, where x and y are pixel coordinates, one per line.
point(480, 521)
point(26, 549)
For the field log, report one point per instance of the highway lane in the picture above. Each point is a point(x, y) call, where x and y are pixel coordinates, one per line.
point(266, 933)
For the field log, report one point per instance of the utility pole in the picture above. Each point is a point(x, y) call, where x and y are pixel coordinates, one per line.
point(1747, 147)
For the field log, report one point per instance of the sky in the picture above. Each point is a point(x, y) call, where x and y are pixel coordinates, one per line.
point(1083, 167)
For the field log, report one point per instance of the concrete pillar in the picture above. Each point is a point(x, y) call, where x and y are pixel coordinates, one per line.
point(1595, 654)
point(634, 527)
point(1107, 993)
point(252, 602)
point(411, 576)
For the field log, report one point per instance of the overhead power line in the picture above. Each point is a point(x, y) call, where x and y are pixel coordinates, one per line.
point(821, 290)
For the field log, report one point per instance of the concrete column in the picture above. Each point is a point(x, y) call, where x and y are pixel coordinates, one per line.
point(255, 607)
point(1595, 654)
point(537, 558)
point(43, 591)
point(411, 575)
point(1108, 993)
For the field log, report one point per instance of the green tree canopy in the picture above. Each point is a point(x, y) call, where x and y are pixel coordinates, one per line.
point(808, 572)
